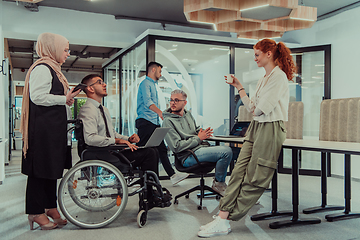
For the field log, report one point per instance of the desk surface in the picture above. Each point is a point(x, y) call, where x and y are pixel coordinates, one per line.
point(305, 144)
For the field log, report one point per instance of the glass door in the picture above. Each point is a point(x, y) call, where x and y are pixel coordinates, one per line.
point(311, 86)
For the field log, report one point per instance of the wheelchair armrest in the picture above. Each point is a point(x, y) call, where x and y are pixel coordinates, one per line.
point(114, 147)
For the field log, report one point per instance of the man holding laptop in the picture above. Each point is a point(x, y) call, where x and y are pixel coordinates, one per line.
point(184, 135)
point(99, 132)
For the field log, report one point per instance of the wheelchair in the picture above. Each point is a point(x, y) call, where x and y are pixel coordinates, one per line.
point(93, 193)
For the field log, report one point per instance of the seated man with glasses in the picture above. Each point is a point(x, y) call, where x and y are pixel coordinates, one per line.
point(184, 135)
point(99, 132)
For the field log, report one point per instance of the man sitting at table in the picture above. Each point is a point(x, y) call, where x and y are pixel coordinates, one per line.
point(99, 132)
point(184, 135)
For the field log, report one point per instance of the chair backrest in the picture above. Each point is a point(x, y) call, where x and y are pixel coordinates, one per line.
point(340, 120)
point(294, 125)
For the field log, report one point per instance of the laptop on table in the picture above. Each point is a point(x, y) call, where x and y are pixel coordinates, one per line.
point(239, 129)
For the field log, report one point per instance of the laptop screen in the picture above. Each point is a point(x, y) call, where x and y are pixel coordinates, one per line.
point(239, 129)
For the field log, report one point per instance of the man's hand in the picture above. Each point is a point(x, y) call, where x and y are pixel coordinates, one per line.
point(134, 138)
point(155, 109)
point(205, 134)
point(131, 146)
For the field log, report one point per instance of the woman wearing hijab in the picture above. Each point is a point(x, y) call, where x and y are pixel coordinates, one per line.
point(45, 110)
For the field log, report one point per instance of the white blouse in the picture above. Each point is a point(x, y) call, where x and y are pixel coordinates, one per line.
point(271, 97)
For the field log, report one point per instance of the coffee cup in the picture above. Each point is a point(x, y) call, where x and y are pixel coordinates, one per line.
point(229, 78)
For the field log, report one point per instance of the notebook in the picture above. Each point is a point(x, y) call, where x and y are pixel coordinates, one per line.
point(239, 129)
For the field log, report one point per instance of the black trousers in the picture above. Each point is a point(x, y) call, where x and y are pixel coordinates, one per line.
point(144, 159)
point(145, 129)
point(40, 194)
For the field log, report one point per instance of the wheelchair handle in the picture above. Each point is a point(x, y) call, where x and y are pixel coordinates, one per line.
point(72, 121)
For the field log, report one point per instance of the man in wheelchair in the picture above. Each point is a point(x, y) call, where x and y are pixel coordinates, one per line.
point(99, 132)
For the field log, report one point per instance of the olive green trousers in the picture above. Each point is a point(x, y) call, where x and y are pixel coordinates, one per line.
point(254, 167)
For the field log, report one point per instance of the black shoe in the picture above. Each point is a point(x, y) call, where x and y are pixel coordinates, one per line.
point(158, 201)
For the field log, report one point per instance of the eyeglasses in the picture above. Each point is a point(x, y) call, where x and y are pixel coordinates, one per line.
point(176, 100)
point(67, 50)
point(100, 81)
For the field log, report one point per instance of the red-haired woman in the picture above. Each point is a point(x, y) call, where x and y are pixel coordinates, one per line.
point(257, 160)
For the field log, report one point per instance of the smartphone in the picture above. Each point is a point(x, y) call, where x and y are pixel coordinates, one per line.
point(80, 86)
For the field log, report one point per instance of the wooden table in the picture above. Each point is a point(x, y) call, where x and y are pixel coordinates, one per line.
point(324, 147)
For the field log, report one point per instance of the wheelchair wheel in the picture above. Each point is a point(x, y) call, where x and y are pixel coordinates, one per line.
point(141, 218)
point(92, 194)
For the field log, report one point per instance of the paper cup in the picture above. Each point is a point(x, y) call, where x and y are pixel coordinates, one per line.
point(229, 78)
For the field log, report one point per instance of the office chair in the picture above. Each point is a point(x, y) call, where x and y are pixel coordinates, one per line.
point(201, 168)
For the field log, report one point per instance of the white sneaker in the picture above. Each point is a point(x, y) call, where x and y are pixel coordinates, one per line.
point(215, 228)
point(178, 177)
point(205, 226)
point(219, 187)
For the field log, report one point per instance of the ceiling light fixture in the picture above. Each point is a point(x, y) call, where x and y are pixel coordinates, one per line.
point(236, 16)
point(242, 10)
point(216, 48)
point(303, 19)
point(214, 25)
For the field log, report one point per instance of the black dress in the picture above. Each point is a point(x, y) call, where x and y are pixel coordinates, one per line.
point(48, 154)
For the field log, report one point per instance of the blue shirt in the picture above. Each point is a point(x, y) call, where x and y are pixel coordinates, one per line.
point(147, 95)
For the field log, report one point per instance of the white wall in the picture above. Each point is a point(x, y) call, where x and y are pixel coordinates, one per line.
point(342, 32)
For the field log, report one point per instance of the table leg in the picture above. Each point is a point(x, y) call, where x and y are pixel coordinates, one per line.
point(324, 207)
point(274, 196)
point(347, 181)
point(295, 199)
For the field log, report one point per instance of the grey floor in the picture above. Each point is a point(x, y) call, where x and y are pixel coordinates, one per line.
point(183, 220)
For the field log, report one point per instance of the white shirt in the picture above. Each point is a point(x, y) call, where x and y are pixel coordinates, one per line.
point(40, 85)
point(271, 97)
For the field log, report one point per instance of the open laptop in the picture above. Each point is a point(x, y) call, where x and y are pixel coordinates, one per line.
point(239, 129)
point(155, 139)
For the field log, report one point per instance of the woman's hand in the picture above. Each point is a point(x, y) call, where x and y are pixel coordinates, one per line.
point(70, 96)
point(236, 83)
point(122, 141)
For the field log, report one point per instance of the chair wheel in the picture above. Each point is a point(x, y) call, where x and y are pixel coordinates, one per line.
point(187, 196)
point(218, 197)
point(176, 201)
point(141, 218)
point(199, 207)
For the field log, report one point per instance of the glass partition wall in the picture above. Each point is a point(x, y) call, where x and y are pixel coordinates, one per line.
point(112, 101)
point(198, 68)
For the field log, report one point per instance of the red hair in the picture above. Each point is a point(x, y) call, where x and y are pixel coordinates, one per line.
point(281, 55)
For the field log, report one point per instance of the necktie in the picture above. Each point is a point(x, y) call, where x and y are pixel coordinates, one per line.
point(106, 125)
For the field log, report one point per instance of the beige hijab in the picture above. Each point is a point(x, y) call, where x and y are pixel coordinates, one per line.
point(49, 48)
